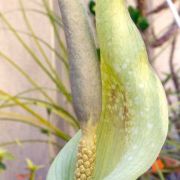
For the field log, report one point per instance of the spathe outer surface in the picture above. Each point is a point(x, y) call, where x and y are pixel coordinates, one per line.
point(134, 119)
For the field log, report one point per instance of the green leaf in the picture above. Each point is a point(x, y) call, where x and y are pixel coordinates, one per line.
point(134, 13)
point(99, 54)
point(49, 110)
point(5, 155)
point(142, 23)
point(31, 166)
point(92, 6)
point(45, 131)
point(2, 166)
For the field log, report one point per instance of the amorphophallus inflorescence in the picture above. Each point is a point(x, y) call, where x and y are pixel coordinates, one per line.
point(119, 101)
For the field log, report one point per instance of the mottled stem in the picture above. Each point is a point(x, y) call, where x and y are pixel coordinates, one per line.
point(84, 65)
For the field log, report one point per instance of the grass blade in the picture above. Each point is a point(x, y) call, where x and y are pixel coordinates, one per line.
point(59, 57)
point(25, 75)
point(42, 120)
point(60, 85)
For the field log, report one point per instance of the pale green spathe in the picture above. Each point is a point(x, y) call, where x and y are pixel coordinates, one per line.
point(134, 119)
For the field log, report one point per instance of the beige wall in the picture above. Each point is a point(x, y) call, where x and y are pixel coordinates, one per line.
point(13, 82)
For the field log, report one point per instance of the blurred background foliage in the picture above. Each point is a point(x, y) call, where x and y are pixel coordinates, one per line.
point(167, 165)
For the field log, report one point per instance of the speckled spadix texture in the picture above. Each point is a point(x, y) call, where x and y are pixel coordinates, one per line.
point(134, 119)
